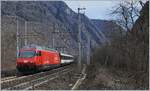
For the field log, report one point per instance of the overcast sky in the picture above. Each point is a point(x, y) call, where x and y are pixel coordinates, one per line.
point(95, 9)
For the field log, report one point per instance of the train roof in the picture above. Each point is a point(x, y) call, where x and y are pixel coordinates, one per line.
point(39, 47)
point(33, 46)
point(63, 54)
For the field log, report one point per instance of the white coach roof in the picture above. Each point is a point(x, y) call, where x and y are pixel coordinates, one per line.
point(63, 54)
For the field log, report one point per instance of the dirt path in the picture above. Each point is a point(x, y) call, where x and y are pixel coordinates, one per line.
point(106, 79)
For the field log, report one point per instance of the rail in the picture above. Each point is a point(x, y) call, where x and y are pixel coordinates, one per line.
point(28, 82)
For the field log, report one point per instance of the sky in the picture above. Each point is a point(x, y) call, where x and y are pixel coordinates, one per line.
point(98, 9)
point(95, 9)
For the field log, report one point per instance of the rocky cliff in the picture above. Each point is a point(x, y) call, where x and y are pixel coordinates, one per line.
point(47, 23)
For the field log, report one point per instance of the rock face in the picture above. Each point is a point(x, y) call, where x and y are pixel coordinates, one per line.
point(142, 23)
point(108, 27)
point(140, 34)
point(49, 12)
point(48, 23)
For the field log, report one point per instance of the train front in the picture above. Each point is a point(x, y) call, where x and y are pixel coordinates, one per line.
point(26, 60)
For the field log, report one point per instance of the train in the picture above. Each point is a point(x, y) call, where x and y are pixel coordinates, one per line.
point(36, 58)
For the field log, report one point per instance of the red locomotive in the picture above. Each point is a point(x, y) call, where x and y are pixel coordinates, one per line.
point(37, 58)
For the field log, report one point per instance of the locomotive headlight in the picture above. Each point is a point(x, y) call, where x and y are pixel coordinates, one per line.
point(25, 61)
point(31, 62)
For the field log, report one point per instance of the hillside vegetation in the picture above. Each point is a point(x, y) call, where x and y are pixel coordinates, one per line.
point(125, 60)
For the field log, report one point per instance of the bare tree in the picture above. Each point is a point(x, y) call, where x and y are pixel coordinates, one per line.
point(127, 12)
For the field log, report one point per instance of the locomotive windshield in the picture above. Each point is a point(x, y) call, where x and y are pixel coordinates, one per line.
point(26, 54)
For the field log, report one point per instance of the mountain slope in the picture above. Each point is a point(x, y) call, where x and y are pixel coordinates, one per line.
point(108, 27)
point(41, 19)
point(47, 12)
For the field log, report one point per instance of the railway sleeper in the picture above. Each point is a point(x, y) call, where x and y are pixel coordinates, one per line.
point(32, 82)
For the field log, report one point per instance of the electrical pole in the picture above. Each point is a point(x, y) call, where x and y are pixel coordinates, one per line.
point(79, 39)
point(25, 33)
point(53, 39)
point(17, 36)
point(88, 50)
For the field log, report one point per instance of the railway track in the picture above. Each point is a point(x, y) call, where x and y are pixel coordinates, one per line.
point(12, 78)
point(31, 81)
point(7, 78)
